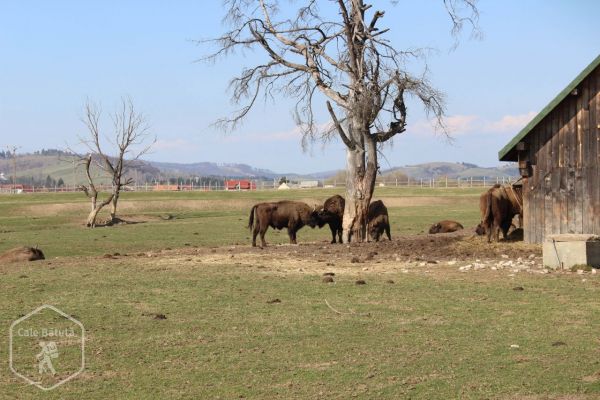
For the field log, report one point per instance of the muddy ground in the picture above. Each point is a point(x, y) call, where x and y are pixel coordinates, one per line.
point(446, 253)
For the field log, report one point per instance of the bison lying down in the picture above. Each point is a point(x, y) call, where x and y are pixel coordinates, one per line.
point(21, 254)
point(332, 213)
point(378, 221)
point(498, 206)
point(292, 215)
point(445, 226)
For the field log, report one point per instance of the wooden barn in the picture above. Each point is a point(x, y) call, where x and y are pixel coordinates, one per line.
point(559, 160)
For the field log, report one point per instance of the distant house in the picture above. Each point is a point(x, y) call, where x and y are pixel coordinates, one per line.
point(18, 188)
point(166, 188)
point(309, 184)
point(240, 184)
point(559, 161)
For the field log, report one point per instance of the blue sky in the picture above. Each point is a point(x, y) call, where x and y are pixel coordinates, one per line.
point(56, 54)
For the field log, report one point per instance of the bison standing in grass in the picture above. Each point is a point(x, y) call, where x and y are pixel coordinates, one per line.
point(292, 215)
point(445, 226)
point(332, 213)
point(498, 206)
point(378, 221)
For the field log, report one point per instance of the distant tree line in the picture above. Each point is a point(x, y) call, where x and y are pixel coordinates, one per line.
point(43, 152)
point(196, 181)
point(49, 182)
point(52, 152)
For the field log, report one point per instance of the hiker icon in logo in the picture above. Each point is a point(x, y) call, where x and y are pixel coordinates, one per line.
point(49, 351)
point(46, 348)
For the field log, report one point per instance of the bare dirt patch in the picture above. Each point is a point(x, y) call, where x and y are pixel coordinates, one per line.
point(439, 255)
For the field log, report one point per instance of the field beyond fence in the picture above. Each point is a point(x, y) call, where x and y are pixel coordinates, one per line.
point(190, 185)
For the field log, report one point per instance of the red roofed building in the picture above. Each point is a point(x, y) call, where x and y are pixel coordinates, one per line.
point(240, 184)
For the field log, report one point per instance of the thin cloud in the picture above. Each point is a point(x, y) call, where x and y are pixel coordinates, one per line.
point(461, 125)
point(174, 144)
point(510, 123)
point(293, 134)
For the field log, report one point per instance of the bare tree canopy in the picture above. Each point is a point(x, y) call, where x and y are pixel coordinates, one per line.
point(338, 49)
point(129, 141)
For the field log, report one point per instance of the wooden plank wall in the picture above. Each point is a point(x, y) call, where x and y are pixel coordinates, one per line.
point(563, 194)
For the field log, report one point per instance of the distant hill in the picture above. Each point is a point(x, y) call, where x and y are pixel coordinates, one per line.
point(37, 167)
point(213, 169)
point(454, 170)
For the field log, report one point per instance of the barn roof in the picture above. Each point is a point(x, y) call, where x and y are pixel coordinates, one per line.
point(507, 153)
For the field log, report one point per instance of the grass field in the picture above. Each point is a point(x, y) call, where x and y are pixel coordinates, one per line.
point(54, 221)
point(434, 333)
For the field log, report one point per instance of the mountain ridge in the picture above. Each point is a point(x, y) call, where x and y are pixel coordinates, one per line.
point(42, 165)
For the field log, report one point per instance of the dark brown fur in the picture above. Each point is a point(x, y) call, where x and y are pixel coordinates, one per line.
point(292, 215)
point(498, 206)
point(378, 221)
point(445, 226)
point(22, 254)
point(332, 213)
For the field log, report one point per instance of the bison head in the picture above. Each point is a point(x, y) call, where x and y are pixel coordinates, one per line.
point(480, 230)
point(320, 216)
point(435, 228)
point(374, 232)
point(313, 218)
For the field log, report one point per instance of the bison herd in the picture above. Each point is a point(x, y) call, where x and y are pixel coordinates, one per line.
point(293, 215)
point(498, 206)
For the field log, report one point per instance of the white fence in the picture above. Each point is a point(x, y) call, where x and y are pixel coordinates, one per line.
point(271, 185)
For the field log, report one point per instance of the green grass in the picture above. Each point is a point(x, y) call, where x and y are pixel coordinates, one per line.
point(34, 219)
point(444, 335)
point(423, 338)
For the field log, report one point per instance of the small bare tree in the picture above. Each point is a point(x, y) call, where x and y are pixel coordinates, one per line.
point(12, 151)
point(335, 48)
point(91, 192)
point(130, 135)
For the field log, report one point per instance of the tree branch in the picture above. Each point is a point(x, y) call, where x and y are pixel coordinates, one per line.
point(349, 143)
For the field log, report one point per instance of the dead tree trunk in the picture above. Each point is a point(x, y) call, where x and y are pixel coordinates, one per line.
point(91, 192)
point(361, 166)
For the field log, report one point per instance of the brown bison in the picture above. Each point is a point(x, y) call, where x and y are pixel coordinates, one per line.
point(292, 215)
point(378, 221)
point(332, 213)
point(498, 206)
point(22, 254)
point(445, 226)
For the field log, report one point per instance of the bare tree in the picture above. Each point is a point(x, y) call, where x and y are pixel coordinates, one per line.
point(12, 150)
point(130, 134)
point(346, 59)
point(91, 192)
